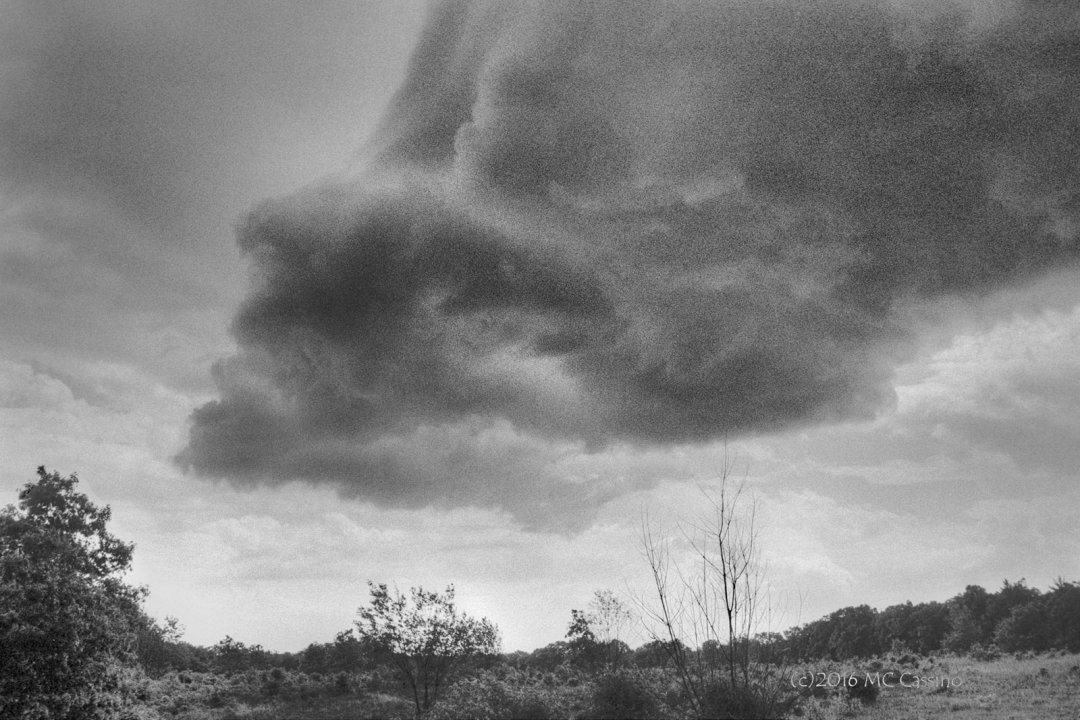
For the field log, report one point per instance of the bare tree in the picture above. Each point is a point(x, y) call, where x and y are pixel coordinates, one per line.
point(710, 601)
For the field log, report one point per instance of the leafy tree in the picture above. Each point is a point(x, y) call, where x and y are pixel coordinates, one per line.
point(315, 658)
point(1063, 604)
point(425, 637)
point(964, 632)
point(158, 646)
point(767, 647)
point(349, 652)
point(1026, 628)
point(658, 653)
point(585, 649)
point(853, 634)
point(609, 618)
point(67, 622)
point(931, 621)
point(1000, 605)
point(234, 656)
point(976, 600)
point(550, 656)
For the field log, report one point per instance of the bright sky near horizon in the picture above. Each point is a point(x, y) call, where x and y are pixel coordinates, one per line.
point(316, 293)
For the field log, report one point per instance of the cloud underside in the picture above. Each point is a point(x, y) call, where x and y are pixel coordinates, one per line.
point(604, 224)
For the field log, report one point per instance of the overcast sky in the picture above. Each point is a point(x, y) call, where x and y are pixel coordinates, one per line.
point(324, 292)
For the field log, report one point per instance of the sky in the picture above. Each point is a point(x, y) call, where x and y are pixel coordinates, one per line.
point(319, 293)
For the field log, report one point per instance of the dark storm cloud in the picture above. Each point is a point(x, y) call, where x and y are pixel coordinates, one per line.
point(132, 134)
point(642, 223)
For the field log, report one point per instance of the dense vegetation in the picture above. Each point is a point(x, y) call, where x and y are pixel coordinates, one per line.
point(1015, 618)
point(76, 643)
point(67, 621)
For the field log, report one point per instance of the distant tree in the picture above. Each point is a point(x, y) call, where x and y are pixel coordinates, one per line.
point(1000, 605)
point(350, 653)
point(593, 634)
point(425, 637)
point(657, 653)
point(768, 647)
point(1063, 605)
point(712, 653)
point(550, 656)
point(315, 658)
point(853, 633)
point(967, 620)
point(809, 641)
point(68, 624)
point(964, 632)
point(976, 600)
point(609, 618)
point(931, 622)
point(232, 656)
point(158, 645)
point(585, 649)
point(1026, 628)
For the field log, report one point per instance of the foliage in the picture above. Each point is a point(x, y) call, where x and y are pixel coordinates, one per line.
point(1026, 628)
point(549, 657)
point(67, 621)
point(863, 688)
point(234, 656)
point(1063, 606)
point(505, 692)
point(584, 649)
point(764, 698)
point(159, 648)
point(347, 653)
point(425, 637)
point(968, 621)
point(622, 695)
point(594, 634)
point(1016, 618)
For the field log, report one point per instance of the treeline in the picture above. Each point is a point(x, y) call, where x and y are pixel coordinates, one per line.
point(1015, 618)
point(158, 654)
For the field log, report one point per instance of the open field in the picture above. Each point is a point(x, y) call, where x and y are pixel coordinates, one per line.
point(1039, 687)
point(1045, 686)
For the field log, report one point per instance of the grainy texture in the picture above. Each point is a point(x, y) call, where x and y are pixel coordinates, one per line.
point(1005, 689)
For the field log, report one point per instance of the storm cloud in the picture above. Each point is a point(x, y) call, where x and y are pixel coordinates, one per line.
point(604, 224)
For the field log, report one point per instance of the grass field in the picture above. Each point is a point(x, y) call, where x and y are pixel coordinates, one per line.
point(1035, 687)
point(1040, 687)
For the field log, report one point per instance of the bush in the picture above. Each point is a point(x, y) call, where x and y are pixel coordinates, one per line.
point(984, 653)
point(342, 685)
point(862, 689)
point(620, 695)
point(513, 694)
point(761, 700)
